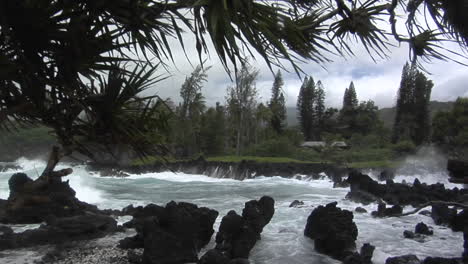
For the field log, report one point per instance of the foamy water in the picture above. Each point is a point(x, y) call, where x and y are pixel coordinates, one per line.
point(282, 240)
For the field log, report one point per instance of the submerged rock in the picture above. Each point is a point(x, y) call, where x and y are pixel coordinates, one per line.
point(296, 203)
point(237, 234)
point(333, 230)
point(423, 229)
point(360, 210)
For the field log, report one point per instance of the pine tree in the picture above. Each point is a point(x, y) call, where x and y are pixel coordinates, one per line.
point(412, 121)
point(277, 105)
point(348, 112)
point(319, 107)
point(305, 106)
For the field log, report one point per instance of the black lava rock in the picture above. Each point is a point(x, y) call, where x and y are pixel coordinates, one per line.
point(405, 259)
point(333, 230)
point(237, 234)
point(423, 229)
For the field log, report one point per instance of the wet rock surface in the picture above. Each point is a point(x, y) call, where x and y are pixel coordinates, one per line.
point(238, 234)
point(383, 211)
point(333, 230)
point(171, 234)
point(402, 194)
point(59, 230)
point(35, 201)
point(405, 259)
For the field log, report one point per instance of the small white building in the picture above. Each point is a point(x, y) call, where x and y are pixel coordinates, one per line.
point(322, 144)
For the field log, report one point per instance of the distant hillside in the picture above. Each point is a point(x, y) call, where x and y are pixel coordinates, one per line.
point(387, 115)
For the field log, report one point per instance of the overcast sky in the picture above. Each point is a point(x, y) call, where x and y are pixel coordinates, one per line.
point(376, 81)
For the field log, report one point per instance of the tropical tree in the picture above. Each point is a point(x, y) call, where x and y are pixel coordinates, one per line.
point(63, 60)
point(191, 110)
point(241, 104)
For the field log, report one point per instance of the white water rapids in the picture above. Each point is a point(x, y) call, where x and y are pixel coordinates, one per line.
point(282, 239)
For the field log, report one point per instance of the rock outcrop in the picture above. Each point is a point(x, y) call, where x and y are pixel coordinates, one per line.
point(237, 234)
point(34, 201)
point(58, 230)
point(402, 194)
point(171, 234)
point(333, 230)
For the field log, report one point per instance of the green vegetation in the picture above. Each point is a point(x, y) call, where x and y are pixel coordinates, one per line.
point(28, 141)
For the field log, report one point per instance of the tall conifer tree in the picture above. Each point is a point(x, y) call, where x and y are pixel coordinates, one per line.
point(277, 105)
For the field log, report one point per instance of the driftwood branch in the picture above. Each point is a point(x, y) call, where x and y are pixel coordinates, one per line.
point(419, 208)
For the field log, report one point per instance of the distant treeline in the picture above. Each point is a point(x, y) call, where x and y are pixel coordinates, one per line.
point(244, 126)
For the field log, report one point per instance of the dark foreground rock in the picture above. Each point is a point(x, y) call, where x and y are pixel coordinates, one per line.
point(405, 259)
point(363, 257)
point(402, 194)
point(171, 234)
point(333, 230)
point(35, 201)
point(237, 234)
point(457, 168)
point(58, 230)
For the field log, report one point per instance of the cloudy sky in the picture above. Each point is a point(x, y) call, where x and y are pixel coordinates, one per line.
point(377, 81)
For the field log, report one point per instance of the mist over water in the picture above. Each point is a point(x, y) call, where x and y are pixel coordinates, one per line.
point(282, 239)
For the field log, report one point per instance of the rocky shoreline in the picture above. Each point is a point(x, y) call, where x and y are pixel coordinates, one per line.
point(232, 170)
point(177, 232)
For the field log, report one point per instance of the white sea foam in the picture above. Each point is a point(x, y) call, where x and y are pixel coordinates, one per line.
point(177, 177)
point(282, 239)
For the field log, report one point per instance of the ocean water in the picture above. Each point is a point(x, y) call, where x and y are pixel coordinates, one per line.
point(282, 239)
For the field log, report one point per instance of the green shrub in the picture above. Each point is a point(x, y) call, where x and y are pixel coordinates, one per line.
point(404, 147)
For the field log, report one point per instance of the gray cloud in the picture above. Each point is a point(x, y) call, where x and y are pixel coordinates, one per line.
point(378, 81)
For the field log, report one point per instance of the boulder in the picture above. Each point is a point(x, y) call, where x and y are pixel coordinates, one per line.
point(171, 234)
point(333, 230)
point(442, 214)
point(238, 234)
point(457, 168)
point(405, 259)
point(423, 229)
point(408, 234)
point(363, 257)
point(460, 221)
